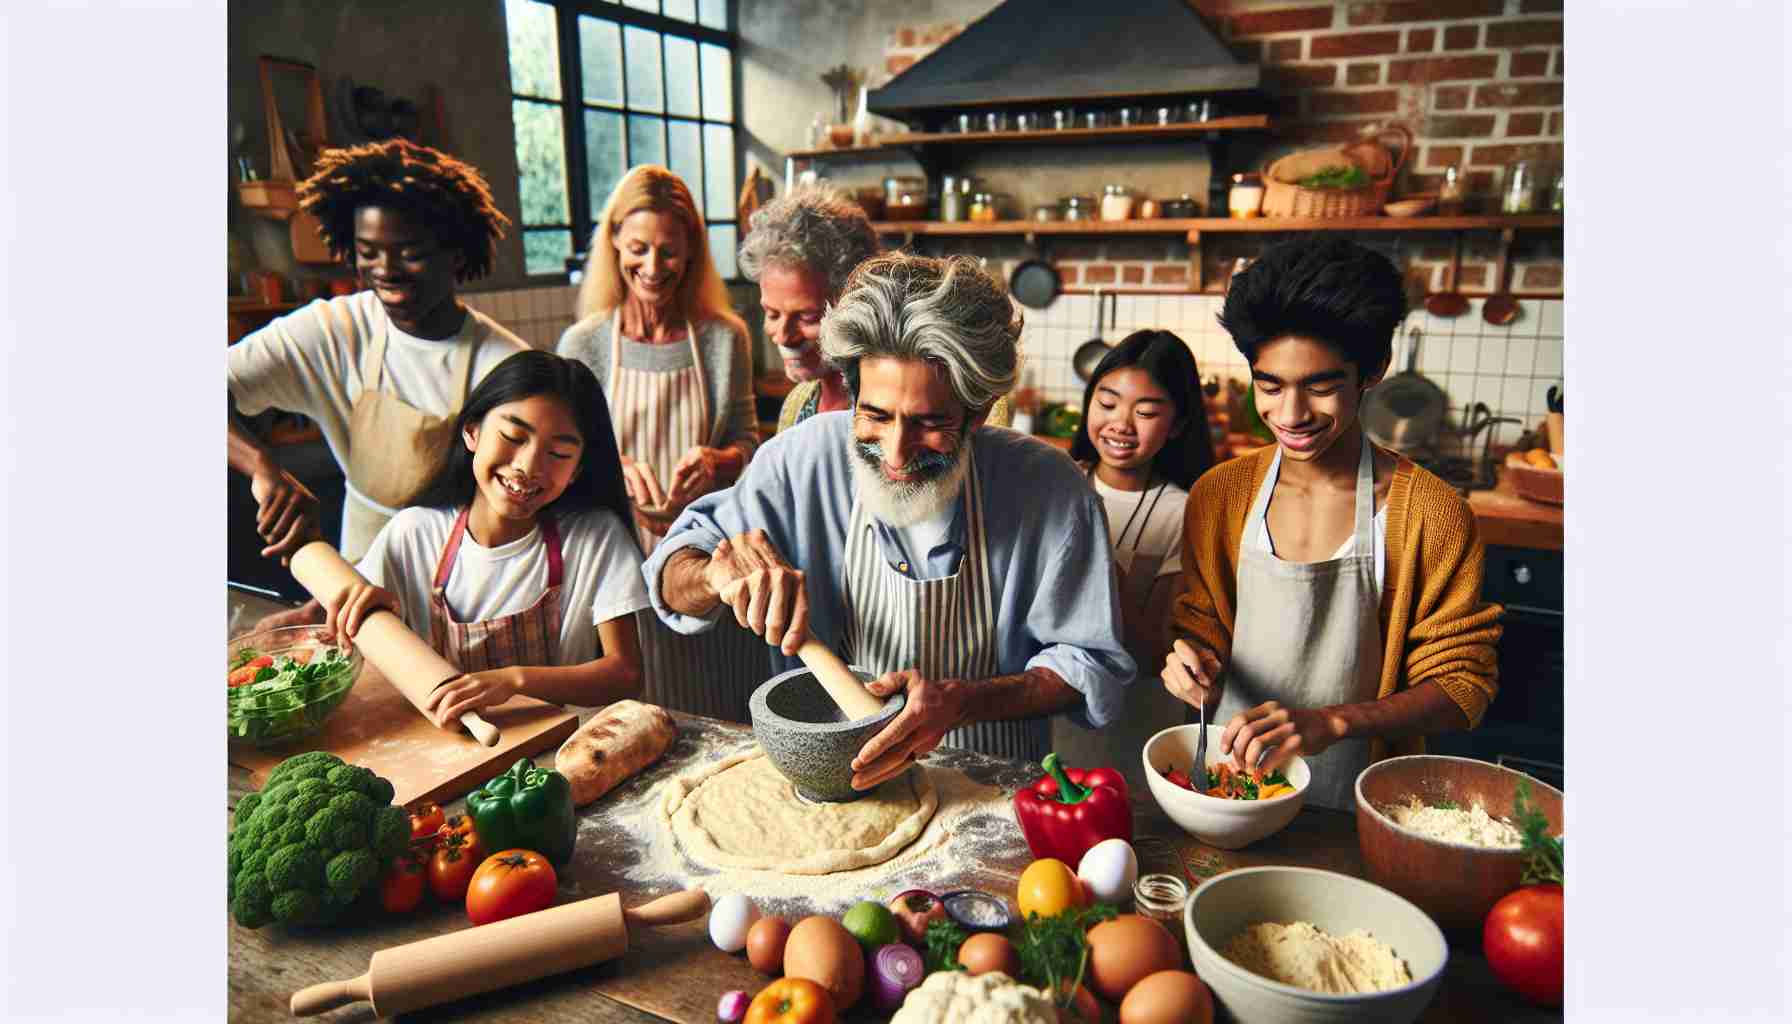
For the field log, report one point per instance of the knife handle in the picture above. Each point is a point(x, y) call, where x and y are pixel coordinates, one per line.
point(329, 995)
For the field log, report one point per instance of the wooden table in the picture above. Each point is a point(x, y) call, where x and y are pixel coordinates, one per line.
point(675, 973)
point(1504, 517)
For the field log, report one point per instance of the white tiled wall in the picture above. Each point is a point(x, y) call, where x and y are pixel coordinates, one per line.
point(537, 315)
point(1510, 368)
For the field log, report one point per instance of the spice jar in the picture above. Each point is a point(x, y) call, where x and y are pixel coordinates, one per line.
point(1149, 209)
point(983, 207)
point(1521, 188)
point(1450, 199)
point(1161, 898)
point(1245, 200)
point(1116, 203)
point(905, 198)
point(955, 197)
point(1045, 212)
point(1077, 208)
point(1556, 201)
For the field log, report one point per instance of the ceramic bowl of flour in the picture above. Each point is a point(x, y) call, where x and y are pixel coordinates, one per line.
point(807, 735)
point(1338, 905)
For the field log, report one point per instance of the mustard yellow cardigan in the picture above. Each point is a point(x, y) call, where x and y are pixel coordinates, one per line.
point(1434, 625)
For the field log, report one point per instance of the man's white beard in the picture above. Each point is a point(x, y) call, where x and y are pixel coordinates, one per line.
point(905, 504)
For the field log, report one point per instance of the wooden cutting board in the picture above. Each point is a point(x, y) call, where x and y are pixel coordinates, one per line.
point(380, 730)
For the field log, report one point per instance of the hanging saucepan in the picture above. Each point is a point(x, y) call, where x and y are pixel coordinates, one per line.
point(1090, 353)
point(1034, 281)
point(1404, 411)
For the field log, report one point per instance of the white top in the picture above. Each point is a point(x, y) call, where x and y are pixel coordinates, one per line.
point(309, 361)
point(1261, 539)
point(600, 577)
point(1156, 529)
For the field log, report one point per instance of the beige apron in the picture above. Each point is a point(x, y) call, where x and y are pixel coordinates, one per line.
point(1309, 634)
point(658, 417)
point(528, 637)
point(942, 628)
point(394, 449)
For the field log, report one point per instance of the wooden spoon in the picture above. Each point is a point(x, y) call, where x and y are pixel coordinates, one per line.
point(1502, 309)
point(1450, 303)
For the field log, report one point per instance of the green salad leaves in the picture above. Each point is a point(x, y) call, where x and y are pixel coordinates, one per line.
point(287, 697)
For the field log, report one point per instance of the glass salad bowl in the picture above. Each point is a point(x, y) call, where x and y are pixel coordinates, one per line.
point(282, 684)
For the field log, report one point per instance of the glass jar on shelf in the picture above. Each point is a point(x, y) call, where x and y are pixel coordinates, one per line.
point(983, 208)
point(955, 197)
point(1556, 200)
point(905, 198)
point(1077, 208)
point(1520, 193)
point(1450, 198)
point(1245, 199)
point(1116, 202)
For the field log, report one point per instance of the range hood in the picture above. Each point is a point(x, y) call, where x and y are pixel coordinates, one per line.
point(1048, 51)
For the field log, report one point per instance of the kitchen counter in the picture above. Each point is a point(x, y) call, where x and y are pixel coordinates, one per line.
point(675, 974)
point(1503, 517)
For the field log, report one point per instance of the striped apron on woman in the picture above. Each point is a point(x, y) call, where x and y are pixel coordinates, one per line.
point(660, 415)
point(943, 628)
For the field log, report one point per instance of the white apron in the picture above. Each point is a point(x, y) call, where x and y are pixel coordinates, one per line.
point(658, 417)
point(1309, 634)
point(942, 628)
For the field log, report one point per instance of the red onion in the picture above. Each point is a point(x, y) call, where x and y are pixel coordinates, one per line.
point(732, 1007)
point(895, 969)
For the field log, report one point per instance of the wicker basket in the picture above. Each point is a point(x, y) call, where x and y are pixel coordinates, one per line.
point(1283, 198)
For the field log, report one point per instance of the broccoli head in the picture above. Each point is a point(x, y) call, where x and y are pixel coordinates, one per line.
point(311, 842)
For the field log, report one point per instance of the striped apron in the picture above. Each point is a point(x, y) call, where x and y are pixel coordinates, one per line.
point(528, 637)
point(942, 628)
point(660, 415)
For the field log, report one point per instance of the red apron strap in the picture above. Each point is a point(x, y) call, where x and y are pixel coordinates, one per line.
point(550, 535)
point(445, 565)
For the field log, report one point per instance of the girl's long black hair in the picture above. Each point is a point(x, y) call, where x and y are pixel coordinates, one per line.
point(1169, 362)
point(598, 483)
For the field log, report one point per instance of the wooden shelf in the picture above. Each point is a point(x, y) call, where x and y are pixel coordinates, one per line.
point(1218, 225)
point(861, 151)
point(897, 142)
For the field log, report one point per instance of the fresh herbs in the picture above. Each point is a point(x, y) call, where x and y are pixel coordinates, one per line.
point(1054, 951)
point(243, 657)
point(1447, 805)
point(1346, 176)
point(1543, 852)
point(943, 939)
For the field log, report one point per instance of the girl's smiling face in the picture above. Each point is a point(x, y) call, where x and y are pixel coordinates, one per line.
point(525, 453)
point(1130, 420)
point(652, 249)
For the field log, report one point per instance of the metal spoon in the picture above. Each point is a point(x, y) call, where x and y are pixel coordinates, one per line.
point(1197, 773)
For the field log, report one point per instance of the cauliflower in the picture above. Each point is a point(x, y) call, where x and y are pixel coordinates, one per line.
point(955, 997)
point(312, 841)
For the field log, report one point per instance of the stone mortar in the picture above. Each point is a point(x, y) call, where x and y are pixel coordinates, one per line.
point(807, 735)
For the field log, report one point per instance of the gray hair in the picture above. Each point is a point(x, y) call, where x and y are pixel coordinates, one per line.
point(816, 227)
point(949, 312)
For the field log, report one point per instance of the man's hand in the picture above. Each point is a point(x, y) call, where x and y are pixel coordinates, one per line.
point(1192, 673)
point(472, 692)
point(749, 575)
point(1291, 731)
point(287, 511)
point(934, 708)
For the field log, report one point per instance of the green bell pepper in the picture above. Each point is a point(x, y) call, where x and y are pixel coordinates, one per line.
point(526, 808)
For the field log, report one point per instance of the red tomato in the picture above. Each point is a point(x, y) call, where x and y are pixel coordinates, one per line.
point(509, 884)
point(1083, 1008)
point(426, 819)
point(1522, 939)
point(264, 661)
point(791, 1001)
point(242, 676)
point(452, 864)
point(401, 888)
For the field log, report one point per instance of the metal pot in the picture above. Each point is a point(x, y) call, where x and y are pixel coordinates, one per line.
point(1405, 411)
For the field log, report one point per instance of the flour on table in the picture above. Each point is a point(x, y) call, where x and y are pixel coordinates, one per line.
point(1454, 825)
point(1304, 956)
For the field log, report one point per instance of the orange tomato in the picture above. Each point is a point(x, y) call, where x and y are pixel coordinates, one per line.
point(510, 884)
point(791, 1001)
point(401, 888)
point(426, 820)
point(452, 864)
point(1048, 887)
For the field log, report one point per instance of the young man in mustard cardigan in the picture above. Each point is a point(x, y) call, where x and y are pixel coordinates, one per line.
point(1332, 589)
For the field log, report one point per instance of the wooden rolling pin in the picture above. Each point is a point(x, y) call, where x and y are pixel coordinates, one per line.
point(498, 955)
point(410, 665)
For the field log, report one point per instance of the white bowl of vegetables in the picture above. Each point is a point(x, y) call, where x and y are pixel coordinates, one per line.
point(1257, 807)
point(281, 684)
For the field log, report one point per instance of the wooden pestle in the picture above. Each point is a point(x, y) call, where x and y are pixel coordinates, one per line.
point(408, 663)
point(839, 681)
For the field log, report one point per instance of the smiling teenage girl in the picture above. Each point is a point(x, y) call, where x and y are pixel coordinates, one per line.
point(1333, 601)
point(518, 559)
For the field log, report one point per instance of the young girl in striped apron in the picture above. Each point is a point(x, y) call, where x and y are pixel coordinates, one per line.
point(518, 562)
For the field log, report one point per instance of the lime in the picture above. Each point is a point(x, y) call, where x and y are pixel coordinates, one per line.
point(873, 924)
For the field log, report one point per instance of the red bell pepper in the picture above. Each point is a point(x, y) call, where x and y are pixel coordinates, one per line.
point(1072, 809)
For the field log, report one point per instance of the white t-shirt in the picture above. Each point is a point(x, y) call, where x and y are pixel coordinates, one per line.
point(1156, 529)
point(1261, 539)
point(600, 574)
point(309, 361)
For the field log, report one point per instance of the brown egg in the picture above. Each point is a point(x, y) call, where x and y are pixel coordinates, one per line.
point(1126, 950)
point(1168, 997)
point(765, 944)
point(822, 950)
point(989, 951)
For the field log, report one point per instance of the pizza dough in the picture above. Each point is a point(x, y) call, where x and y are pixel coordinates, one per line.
point(1305, 956)
point(743, 813)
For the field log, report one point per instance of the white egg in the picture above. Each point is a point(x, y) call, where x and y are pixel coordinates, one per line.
point(729, 919)
point(1109, 870)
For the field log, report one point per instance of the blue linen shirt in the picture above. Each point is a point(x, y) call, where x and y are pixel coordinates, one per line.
point(1057, 596)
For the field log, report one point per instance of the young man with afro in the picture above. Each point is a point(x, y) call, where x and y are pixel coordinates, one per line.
point(384, 371)
point(1332, 606)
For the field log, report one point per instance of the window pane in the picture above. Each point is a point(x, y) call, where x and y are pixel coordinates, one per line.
point(604, 165)
point(715, 13)
point(534, 49)
point(718, 83)
point(684, 155)
point(721, 249)
point(600, 59)
point(718, 179)
point(681, 76)
point(643, 50)
point(541, 161)
point(683, 10)
point(646, 144)
point(644, 5)
point(546, 252)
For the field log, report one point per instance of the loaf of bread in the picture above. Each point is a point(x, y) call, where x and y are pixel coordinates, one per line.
point(616, 743)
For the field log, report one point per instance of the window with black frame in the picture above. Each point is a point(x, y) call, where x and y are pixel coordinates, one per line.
point(598, 87)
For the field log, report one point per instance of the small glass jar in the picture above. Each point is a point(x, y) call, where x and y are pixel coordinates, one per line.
point(1198, 110)
point(983, 208)
point(1045, 213)
point(1116, 203)
point(1061, 118)
point(994, 121)
point(1556, 201)
point(1129, 116)
point(955, 197)
point(1450, 198)
point(1092, 119)
point(1161, 898)
point(1520, 195)
point(905, 198)
point(961, 123)
point(1245, 200)
point(1077, 208)
point(1163, 115)
point(1149, 209)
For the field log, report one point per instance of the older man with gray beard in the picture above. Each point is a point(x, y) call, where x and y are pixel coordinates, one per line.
point(967, 564)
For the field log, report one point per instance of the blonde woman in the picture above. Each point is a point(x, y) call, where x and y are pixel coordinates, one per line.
point(656, 328)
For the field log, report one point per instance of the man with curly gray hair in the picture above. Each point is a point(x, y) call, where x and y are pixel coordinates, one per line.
point(911, 537)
